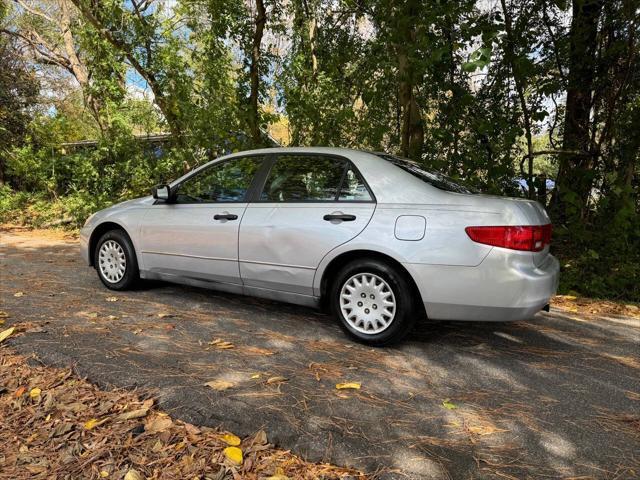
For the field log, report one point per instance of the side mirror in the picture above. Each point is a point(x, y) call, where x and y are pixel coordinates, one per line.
point(161, 192)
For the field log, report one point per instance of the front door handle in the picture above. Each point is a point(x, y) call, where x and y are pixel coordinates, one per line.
point(225, 216)
point(345, 217)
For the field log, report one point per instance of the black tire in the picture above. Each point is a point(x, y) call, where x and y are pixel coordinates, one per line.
point(405, 308)
point(131, 273)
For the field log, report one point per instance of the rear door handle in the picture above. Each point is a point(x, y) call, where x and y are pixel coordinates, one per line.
point(225, 216)
point(345, 217)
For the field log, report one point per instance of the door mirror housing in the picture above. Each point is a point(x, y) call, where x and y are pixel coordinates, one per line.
point(161, 192)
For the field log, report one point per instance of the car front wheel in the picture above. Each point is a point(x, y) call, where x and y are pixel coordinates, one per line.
point(373, 302)
point(115, 260)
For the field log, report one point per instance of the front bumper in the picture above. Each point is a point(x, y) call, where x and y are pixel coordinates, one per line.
point(506, 286)
point(85, 235)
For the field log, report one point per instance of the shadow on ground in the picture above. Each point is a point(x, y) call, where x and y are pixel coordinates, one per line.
point(556, 396)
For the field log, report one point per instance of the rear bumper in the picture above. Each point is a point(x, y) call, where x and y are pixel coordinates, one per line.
point(506, 286)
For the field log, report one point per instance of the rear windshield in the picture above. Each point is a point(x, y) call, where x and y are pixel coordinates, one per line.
point(435, 179)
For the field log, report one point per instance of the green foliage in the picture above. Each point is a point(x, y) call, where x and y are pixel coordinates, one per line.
point(461, 86)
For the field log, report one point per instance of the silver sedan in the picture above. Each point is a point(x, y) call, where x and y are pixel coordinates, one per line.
point(374, 238)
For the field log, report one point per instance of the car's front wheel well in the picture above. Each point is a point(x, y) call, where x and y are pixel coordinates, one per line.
point(341, 260)
point(97, 233)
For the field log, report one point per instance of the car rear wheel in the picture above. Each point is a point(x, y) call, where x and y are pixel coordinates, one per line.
point(373, 302)
point(115, 260)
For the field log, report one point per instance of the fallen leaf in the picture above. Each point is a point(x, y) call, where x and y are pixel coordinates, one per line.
point(278, 475)
point(158, 424)
point(234, 454)
point(221, 344)
point(114, 299)
point(6, 333)
point(20, 391)
point(61, 429)
point(19, 294)
point(104, 474)
point(219, 385)
point(1, 321)
point(448, 405)
point(256, 375)
point(133, 475)
point(260, 438)
point(231, 439)
point(276, 380)
point(166, 315)
point(4, 314)
point(348, 385)
point(93, 423)
point(142, 412)
point(92, 314)
point(35, 392)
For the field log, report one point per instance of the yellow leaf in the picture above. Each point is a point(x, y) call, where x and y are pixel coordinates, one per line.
point(276, 380)
point(257, 375)
point(1, 321)
point(133, 475)
point(35, 392)
point(231, 439)
point(4, 314)
point(353, 385)
point(104, 474)
point(6, 333)
point(18, 294)
point(114, 299)
point(93, 423)
point(219, 385)
point(234, 454)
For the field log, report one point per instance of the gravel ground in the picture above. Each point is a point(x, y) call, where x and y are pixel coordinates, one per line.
point(556, 396)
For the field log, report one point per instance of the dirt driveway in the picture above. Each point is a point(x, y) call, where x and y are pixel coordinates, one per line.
point(557, 396)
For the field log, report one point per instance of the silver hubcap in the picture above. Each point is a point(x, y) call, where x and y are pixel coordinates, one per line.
point(112, 261)
point(367, 303)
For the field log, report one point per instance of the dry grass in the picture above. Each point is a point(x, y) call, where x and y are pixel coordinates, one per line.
point(56, 425)
point(592, 306)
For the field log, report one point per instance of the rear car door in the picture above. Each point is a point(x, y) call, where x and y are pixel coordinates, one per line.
point(196, 234)
point(309, 205)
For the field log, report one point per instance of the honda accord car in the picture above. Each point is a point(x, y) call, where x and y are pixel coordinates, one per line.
point(374, 238)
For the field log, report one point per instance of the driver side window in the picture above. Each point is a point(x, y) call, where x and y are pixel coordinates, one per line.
point(224, 182)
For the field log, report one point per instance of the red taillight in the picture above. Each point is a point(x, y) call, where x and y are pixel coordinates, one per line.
point(531, 238)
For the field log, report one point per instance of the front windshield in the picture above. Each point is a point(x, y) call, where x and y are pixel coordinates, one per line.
point(435, 179)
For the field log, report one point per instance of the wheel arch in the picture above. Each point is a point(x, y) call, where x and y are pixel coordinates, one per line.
point(98, 232)
point(342, 259)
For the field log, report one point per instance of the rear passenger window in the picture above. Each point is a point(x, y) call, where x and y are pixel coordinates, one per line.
point(299, 178)
point(353, 187)
point(314, 178)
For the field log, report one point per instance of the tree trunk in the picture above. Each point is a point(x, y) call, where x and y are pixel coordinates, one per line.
point(254, 73)
point(412, 128)
point(574, 181)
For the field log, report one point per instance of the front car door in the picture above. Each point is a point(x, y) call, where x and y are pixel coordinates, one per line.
point(309, 205)
point(195, 235)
